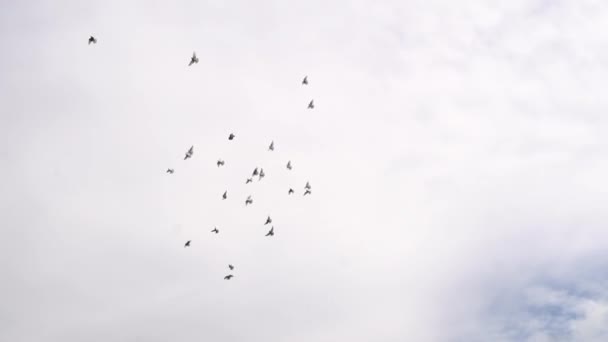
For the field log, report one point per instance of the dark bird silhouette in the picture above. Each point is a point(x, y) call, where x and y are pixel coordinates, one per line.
point(248, 200)
point(305, 80)
point(228, 277)
point(193, 59)
point(311, 104)
point(92, 40)
point(231, 267)
point(189, 153)
point(289, 165)
point(187, 243)
point(307, 186)
point(249, 180)
point(255, 172)
point(262, 174)
point(170, 171)
point(307, 192)
point(225, 195)
point(271, 147)
point(231, 136)
point(268, 220)
point(215, 230)
point(290, 191)
point(220, 163)
point(270, 232)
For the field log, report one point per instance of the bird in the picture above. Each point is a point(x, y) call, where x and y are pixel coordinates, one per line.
point(289, 165)
point(311, 104)
point(290, 191)
point(307, 192)
point(215, 230)
point(262, 174)
point(271, 147)
point(92, 40)
point(170, 171)
point(305, 80)
point(189, 153)
point(228, 277)
point(231, 136)
point(248, 200)
point(255, 172)
point(230, 267)
point(225, 195)
point(194, 59)
point(249, 180)
point(220, 163)
point(187, 243)
point(270, 232)
point(307, 186)
point(268, 220)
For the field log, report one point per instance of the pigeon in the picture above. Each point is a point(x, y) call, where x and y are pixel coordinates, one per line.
point(271, 147)
point(220, 163)
point(231, 136)
point(170, 171)
point(255, 172)
point(92, 40)
point(270, 232)
point(311, 105)
point(187, 243)
point(268, 220)
point(189, 153)
point(289, 165)
point(215, 230)
point(305, 80)
point(194, 59)
point(290, 191)
point(307, 186)
point(231, 267)
point(249, 180)
point(307, 192)
point(248, 200)
point(225, 195)
point(228, 277)
point(262, 174)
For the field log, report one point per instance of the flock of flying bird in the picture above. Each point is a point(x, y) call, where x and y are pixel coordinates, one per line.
point(257, 172)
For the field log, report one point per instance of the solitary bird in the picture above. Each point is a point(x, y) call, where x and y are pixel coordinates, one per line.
point(268, 220)
point(311, 104)
point(92, 40)
point(170, 171)
point(307, 192)
point(249, 180)
point(194, 59)
point(228, 277)
point(230, 267)
point(271, 147)
point(289, 165)
point(270, 232)
point(305, 80)
point(225, 195)
point(189, 153)
point(307, 186)
point(220, 163)
point(248, 200)
point(187, 243)
point(215, 230)
point(262, 174)
point(290, 191)
point(231, 136)
point(255, 172)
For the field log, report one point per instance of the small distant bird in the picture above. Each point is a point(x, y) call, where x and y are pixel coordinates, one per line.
point(231, 267)
point(270, 232)
point(305, 80)
point(255, 172)
point(290, 191)
point(249, 180)
point(170, 171)
point(307, 192)
point(220, 163)
point(225, 195)
point(289, 165)
point(187, 243)
point(248, 200)
point(271, 147)
point(268, 220)
point(92, 40)
point(194, 59)
point(215, 230)
point(311, 104)
point(262, 174)
point(231, 136)
point(228, 277)
point(307, 186)
point(189, 153)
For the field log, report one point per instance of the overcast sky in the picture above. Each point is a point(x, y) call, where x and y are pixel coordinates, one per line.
point(457, 156)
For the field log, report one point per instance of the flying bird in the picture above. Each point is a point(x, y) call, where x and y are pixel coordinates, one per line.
point(215, 230)
point(231, 267)
point(231, 136)
point(170, 171)
point(255, 172)
point(92, 40)
point(189, 153)
point(289, 165)
point(220, 163)
point(228, 277)
point(311, 104)
point(307, 192)
point(193, 59)
point(307, 186)
point(187, 243)
point(305, 80)
point(271, 147)
point(248, 200)
point(262, 174)
point(249, 180)
point(270, 232)
point(290, 191)
point(225, 195)
point(268, 220)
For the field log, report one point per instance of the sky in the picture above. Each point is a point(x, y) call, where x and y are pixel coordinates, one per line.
point(456, 153)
